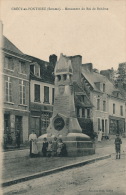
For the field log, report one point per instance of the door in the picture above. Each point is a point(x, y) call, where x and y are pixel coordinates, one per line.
point(103, 127)
point(35, 125)
point(18, 126)
point(7, 130)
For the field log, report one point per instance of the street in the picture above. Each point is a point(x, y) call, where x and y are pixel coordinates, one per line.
point(103, 177)
point(17, 163)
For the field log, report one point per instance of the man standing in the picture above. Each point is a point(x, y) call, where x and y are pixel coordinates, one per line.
point(118, 143)
point(33, 145)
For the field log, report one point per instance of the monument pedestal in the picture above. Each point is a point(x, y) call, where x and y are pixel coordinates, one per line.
point(77, 144)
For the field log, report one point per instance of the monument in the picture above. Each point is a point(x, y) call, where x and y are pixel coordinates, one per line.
point(64, 123)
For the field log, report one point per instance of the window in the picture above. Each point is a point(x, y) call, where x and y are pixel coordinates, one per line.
point(22, 92)
point(22, 67)
point(53, 91)
point(64, 77)
point(113, 108)
point(59, 77)
point(83, 112)
point(8, 89)
point(37, 93)
point(104, 105)
point(45, 121)
point(78, 112)
point(82, 98)
point(121, 110)
point(8, 63)
point(98, 124)
point(32, 69)
point(46, 94)
point(98, 104)
point(88, 113)
point(103, 87)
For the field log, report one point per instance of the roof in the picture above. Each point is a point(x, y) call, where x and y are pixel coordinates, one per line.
point(46, 72)
point(78, 94)
point(35, 59)
point(63, 66)
point(8, 45)
point(93, 77)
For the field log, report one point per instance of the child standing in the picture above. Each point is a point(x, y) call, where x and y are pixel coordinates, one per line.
point(59, 147)
point(44, 147)
point(49, 149)
point(118, 143)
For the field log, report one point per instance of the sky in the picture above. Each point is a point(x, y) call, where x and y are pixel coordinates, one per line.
point(98, 35)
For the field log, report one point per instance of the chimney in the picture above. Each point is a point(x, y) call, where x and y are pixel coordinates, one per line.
point(107, 73)
point(52, 60)
point(76, 62)
point(88, 66)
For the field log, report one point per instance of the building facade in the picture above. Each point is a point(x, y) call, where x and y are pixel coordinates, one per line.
point(41, 93)
point(16, 69)
point(109, 104)
point(28, 85)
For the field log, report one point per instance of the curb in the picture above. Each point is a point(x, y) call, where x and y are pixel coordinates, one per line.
point(42, 174)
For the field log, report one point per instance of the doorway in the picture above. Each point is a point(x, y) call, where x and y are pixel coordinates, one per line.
point(18, 126)
point(103, 127)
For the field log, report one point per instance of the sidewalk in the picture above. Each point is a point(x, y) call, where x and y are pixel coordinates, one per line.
point(17, 164)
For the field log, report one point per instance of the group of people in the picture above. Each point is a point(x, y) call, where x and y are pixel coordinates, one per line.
point(49, 148)
point(54, 148)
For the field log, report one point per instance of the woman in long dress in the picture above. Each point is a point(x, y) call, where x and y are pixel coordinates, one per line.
point(33, 145)
point(100, 135)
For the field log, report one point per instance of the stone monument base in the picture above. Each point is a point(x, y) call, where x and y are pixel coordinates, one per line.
point(77, 144)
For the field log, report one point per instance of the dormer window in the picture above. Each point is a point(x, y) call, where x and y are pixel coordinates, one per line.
point(97, 85)
point(22, 67)
point(32, 69)
point(8, 63)
point(35, 69)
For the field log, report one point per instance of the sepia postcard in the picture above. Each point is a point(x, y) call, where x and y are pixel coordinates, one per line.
point(63, 97)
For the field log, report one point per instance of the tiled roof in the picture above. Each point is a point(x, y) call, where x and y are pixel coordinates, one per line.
point(34, 59)
point(77, 88)
point(8, 45)
point(78, 93)
point(46, 72)
point(93, 77)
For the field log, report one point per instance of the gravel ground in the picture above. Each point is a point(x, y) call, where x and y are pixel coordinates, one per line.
point(17, 164)
point(105, 177)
